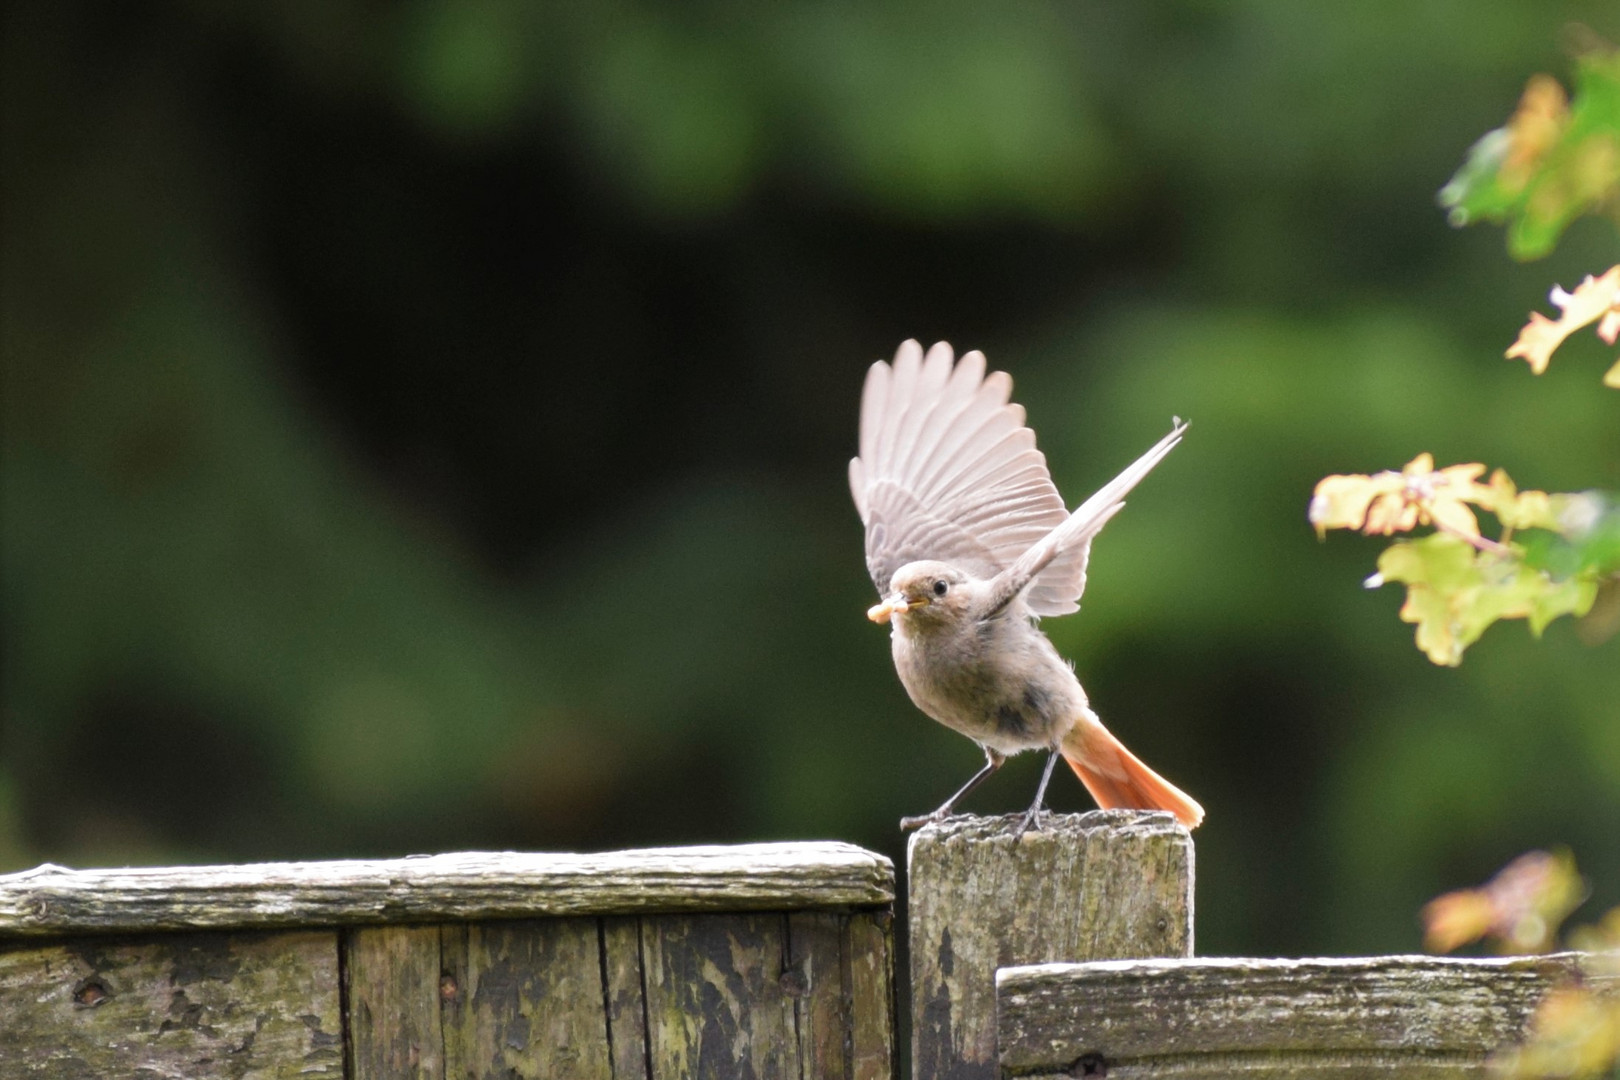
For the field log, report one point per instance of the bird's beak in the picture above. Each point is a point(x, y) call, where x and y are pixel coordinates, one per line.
point(895, 605)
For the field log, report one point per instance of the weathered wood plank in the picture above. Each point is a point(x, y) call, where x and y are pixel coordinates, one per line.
point(717, 1008)
point(626, 1007)
point(870, 956)
point(198, 1005)
point(392, 977)
point(455, 992)
point(1108, 884)
point(1389, 1016)
point(438, 888)
point(816, 979)
point(535, 1006)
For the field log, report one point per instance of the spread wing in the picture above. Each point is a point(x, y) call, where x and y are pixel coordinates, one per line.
point(948, 471)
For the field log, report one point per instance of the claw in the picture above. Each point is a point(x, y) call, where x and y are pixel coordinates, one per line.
point(909, 824)
point(1031, 819)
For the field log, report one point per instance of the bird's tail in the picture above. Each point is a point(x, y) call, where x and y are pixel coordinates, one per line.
point(1117, 779)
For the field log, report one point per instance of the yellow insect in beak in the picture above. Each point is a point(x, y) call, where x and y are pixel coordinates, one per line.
point(895, 605)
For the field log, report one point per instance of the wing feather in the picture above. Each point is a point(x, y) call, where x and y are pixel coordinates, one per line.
point(982, 424)
point(948, 470)
point(1086, 521)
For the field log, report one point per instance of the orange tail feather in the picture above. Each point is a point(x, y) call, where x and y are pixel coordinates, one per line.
point(1117, 779)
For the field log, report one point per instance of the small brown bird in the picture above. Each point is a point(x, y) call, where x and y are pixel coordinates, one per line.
point(969, 543)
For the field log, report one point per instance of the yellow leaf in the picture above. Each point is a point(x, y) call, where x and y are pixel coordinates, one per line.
point(1517, 509)
point(1575, 1032)
point(1499, 493)
point(1391, 514)
point(1457, 918)
point(1537, 340)
point(1340, 502)
point(1534, 128)
point(1391, 502)
point(1521, 907)
point(1454, 516)
point(1609, 326)
point(1446, 494)
point(1594, 298)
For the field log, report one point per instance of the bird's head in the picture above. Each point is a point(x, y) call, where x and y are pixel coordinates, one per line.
point(924, 593)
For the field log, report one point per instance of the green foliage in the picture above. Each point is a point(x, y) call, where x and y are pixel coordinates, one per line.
point(1453, 592)
point(1547, 166)
point(1554, 161)
point(1458, 582)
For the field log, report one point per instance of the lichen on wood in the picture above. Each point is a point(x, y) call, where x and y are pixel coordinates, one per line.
point(234, 1006)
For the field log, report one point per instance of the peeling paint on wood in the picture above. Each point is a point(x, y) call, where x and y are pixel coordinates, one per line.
point(717, 1005)
point(239, 1006)
point(536, 1006)
point(1390, 1017)
point(1111, 883)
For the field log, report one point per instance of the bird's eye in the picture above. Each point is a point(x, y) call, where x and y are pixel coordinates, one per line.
point(939, 588)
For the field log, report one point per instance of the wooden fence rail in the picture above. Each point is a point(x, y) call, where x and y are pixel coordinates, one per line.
point(1390, 1017)
point(758, 960)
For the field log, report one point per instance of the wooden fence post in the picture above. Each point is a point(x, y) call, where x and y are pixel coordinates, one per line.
point(1111, 884)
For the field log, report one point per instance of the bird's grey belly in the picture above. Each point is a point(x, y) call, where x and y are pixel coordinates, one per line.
point(1024, 698)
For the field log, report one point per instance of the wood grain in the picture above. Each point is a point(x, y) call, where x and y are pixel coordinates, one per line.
point(1388, 1016)
point(870, 954)
point(466, 886)
point(816, 980)
point(197, 1005)
point(392, 980)
point(626, 1006)
point(1112, 883)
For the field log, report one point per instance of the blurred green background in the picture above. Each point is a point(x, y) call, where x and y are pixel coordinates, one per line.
point(425, 424)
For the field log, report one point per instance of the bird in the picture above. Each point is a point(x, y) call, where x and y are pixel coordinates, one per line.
point(969, 545)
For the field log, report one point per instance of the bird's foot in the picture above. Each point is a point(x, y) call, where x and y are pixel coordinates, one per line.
point(1030, 820)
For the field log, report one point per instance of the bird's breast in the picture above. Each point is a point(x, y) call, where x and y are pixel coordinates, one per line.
point(997, 681)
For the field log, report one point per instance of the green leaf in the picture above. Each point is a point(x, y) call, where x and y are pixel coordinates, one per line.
point(1453, 592)
point(1549, 164)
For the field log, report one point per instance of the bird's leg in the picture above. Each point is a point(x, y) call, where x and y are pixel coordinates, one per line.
point(1033, 815)
point(992, 762)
